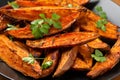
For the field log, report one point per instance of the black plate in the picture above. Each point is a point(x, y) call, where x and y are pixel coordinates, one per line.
point(112, 11)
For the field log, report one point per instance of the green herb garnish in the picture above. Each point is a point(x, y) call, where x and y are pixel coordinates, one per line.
point(41, 26)
point(30, 60)
point(14, 5)
point(98, 56)
point(47, 64)
point(103, 21)
point(11, 27)
point(101, 24)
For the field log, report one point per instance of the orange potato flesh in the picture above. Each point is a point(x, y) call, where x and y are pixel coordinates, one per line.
point(26, 32)
point(112, 58)
point(84, 59)
point(52, 55)
point(66, 61)
point(65, 3)
point(12, 55)
point(32, 13)
point(98, 44)
point(62, 40)
point(88, 23)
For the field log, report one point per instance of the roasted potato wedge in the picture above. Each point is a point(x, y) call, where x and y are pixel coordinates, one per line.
point(64, 3)
point(52, 55)
point(112, 58)
point(67, 59)
point(12, 55)
point(32, 13)
point(62, 40)
point(23, 33)
point(88, 23)
point(84, 60)
point(98, 44)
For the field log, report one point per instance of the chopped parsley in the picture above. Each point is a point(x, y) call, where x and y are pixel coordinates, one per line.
point(13, 4)
point(30, 60)
point(103, 21)
point(47, 64)
point(98, 56)
point(41, 26)
point(11, 27)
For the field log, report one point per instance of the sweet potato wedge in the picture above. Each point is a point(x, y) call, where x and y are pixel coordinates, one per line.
point(83, 60)
point(52, 55)
point(62, 40)
point(64, 3)
point(66, 61)
point(98, 44)
point(112, 58)
point(34, 52)
point(3, 22)
point(32, 13)
point(12, 55)
point(88, 23)
point(66, 22)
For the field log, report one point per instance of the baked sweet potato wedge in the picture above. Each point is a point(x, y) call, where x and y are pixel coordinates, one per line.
point(66, 22)
point(66, 61)
point(98, 44)
point(34, 52)
point(52, 55)
point(62, 40)
point(3, 22)
point(84, 60)
point(64, 3)
point(12, 55)
point(88, 23)
point(32, 13)
point(112, 58)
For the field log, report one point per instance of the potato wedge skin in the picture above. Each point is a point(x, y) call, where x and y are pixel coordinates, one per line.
point(26, 33)
point(112, 58)
point(52, 55)
point(84, 60)
point(88, 23)
point(27, 3)
point(12, 55)
point(66, 39)
point(67, 59)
